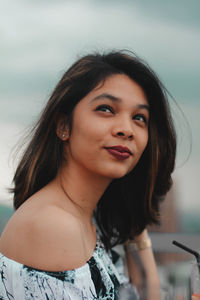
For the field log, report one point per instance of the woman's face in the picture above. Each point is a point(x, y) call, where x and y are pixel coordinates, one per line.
point(109, 129)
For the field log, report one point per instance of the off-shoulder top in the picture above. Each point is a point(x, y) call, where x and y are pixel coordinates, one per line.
point(99, 278)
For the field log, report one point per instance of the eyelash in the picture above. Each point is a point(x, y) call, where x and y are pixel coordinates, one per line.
point(140, 116)
point(105, 107)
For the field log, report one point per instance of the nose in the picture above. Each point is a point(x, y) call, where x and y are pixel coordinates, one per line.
point(124, 131)
point(123, 134)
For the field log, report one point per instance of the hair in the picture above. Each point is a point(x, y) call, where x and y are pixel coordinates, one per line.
point(130, 203)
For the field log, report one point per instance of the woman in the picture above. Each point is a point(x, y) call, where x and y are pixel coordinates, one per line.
point(101, 156)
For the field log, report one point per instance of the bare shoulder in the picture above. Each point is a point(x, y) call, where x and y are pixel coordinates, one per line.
point(47, 238)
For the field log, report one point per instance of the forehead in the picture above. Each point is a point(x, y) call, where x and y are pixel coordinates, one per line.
point(120, 87)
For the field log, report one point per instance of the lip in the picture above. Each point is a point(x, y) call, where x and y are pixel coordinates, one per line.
point(120, 152)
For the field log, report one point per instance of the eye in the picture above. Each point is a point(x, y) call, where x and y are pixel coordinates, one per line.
point(105, 108)
point(141, 118)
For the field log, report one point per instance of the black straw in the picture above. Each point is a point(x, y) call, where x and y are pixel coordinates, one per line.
point(195, 253)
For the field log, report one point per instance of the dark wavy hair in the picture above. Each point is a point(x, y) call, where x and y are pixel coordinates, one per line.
point(130, 203)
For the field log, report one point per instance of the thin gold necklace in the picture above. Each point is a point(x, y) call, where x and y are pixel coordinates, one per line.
point(77, 205)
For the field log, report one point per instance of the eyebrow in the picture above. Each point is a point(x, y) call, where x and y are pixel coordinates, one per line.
point(108, 96)
point(116, 99)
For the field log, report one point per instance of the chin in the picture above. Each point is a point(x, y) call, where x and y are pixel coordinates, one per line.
point(114, 172)
point(118, 174)
point(122, 173)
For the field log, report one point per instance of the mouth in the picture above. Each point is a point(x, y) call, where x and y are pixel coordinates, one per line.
point(119, 152)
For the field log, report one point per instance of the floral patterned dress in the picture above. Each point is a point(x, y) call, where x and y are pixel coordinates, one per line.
point(99, 278)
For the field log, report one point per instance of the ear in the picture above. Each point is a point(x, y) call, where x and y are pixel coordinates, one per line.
point(62, 127)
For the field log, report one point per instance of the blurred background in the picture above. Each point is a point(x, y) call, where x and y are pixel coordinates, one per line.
point(41, 38)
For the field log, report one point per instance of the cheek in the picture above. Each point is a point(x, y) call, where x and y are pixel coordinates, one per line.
point(89, 130)
point(83, 141)
point(142, 142)
point(146, 139)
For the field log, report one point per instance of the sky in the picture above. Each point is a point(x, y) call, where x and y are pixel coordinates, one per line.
point(41, 38)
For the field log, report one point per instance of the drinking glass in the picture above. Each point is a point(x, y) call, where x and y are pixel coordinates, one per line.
point(129, 292)
point(195, 280)
point(180, 292)
point(162, 294)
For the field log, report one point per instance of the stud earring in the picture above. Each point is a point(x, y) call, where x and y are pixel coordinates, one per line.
point(63, 135)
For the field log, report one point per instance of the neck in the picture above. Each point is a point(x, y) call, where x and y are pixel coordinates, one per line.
point(82, 188)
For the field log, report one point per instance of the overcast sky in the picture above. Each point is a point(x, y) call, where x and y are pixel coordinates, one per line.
point(40, 38)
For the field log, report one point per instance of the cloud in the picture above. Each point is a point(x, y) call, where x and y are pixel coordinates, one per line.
point(42, 34)
point(10, 133)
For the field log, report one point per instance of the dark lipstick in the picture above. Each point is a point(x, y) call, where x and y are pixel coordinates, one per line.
point(120, 152)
